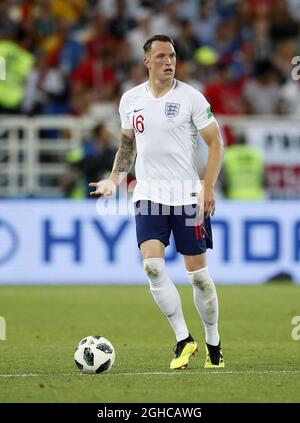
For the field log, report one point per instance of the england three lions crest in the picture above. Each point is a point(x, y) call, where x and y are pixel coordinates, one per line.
point(172, 109)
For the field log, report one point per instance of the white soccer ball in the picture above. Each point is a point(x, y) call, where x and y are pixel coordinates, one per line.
point(94, 354)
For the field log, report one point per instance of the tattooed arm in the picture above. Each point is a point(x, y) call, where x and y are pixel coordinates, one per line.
point(124, 160)
point(125, 156)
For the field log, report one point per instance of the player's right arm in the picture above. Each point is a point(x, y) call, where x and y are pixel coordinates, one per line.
point(124, 160)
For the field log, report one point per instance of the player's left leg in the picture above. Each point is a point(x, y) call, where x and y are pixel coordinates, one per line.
point(206, 302)
point(192, 239)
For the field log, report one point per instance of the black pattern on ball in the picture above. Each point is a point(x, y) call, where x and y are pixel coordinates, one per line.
point(105, 348)
point(103, 367)
point(88, 357)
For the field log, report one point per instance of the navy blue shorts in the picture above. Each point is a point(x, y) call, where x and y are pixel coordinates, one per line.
point(157, 221)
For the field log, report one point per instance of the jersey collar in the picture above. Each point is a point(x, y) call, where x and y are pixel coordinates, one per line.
point(175, 83)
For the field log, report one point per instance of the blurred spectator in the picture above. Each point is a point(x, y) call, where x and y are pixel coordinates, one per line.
point(207, 23)
point(137, 75)
point(99, 154)
point(18, 64)
point(286, 50)
point(225, 93)
point(97, 74)
point(262, 40)
point(8, 26)
point(242, 67)
point(185, 73)
point(72, 11)
point(186, 43)
point(100, 38)
point(242, 176)
point(27, 36)
point(262, 92)
point(92, 162)
point(44, 18)
point(227, 42)
point(289, 98)
point(121, 21)
point(244, 17)
point(124, 62)
point(44, 86)
point(188, 9)
point(166, 22)
point(140, 34)
point(225, 97)
point(82, 97)
point(69, 53)
point(283, 24)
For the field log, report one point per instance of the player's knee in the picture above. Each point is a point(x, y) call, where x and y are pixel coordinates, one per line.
point(202, 279)
point(154, 268)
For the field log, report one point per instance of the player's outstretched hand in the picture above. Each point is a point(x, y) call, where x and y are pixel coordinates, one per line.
point(103, 188)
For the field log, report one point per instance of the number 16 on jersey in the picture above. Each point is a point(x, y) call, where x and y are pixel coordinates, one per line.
point(138, 123)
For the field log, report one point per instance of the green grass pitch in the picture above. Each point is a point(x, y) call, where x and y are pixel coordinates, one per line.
point(44, 323)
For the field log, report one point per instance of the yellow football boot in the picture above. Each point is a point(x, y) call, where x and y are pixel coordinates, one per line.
point(183, 350)
point(214, 357)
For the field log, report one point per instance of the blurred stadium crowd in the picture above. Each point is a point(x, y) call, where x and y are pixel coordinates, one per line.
point(69, 55)
point(77, 57)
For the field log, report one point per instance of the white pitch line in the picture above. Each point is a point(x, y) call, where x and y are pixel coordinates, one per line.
point(205, 372)
point(179, 373)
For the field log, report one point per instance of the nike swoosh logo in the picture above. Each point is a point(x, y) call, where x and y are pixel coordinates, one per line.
point(137, 110)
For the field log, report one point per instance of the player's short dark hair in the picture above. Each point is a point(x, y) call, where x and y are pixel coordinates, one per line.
point(159, 37)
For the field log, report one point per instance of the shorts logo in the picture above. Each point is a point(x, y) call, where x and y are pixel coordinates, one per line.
point(172, 109)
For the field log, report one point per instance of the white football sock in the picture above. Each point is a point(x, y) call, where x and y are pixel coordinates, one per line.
point(206, 302)
point(166, 296)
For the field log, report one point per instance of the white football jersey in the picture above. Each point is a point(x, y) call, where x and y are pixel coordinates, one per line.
point(166, 130)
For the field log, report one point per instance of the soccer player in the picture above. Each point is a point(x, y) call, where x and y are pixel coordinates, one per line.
point(160, 121)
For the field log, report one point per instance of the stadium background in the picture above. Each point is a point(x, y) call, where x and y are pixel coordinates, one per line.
point(66, 65)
